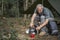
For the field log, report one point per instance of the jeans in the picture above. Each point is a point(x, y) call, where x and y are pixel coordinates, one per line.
point(53, 26)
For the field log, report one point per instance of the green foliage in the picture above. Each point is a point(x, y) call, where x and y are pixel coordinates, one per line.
point(10, 8)
point(14, 8)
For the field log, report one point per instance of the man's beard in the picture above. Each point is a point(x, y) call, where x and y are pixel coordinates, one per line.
point(39, 13)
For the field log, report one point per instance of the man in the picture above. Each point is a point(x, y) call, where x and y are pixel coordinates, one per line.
point(40, 10)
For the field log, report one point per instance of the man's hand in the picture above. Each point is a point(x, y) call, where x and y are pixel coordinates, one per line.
point(38, 28)
point(31, 25)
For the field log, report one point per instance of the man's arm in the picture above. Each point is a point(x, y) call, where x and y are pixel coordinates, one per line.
point(43, 24)
point(32, 19)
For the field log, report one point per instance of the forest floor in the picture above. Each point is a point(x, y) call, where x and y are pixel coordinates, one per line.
point(14, 29)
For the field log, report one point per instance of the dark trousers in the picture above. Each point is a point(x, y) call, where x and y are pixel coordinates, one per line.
point(52, 27)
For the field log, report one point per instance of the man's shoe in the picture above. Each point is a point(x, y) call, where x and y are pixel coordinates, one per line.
point(55, 34)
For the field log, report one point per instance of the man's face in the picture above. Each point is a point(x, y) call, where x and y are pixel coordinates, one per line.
point(40, 9)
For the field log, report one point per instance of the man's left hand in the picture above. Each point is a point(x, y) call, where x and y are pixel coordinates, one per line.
point(38, 28)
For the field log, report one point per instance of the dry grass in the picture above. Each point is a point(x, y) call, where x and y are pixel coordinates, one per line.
point(14, 29)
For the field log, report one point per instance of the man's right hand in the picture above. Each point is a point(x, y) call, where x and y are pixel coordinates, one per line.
point(31, 25)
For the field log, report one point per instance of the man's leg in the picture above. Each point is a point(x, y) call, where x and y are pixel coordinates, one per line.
point(44, 31)
point(54, 28)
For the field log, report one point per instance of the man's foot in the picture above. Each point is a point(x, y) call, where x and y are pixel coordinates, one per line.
point(42, 33)
point(55, 34)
